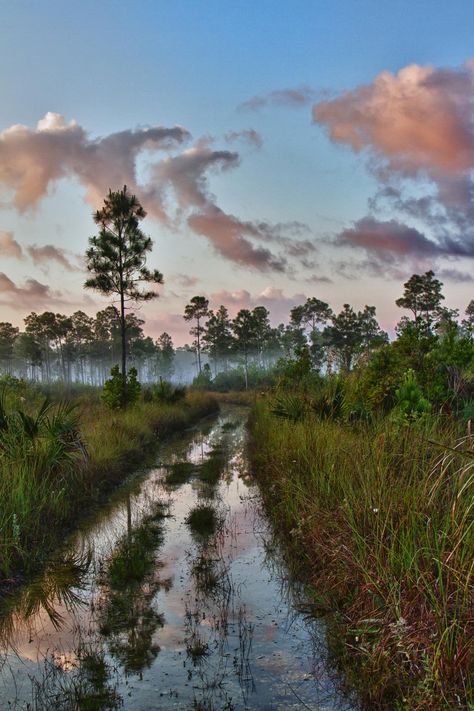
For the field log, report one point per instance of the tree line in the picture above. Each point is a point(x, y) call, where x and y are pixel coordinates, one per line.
point(81, 348)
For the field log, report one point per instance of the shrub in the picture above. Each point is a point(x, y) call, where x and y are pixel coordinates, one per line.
point(114, 395)
point(410, 404)
point(165, 392)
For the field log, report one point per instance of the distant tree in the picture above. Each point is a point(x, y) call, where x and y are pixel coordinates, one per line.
point(8, 335)
point(29, 353)
point(308, 317)
point(352, 333)
point(117, 258)
point(263, 331)
point(217, 336)
point(370, 332)
point(291, 339)
point(166, 354)
point(83, 335)
point(422, 296)
point(197, 310)
point(468, 322)
point(310, 314)
point(344, 335)
point(244, 328)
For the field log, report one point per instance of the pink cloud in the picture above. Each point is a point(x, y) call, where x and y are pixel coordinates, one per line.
point(32, 160)
point(387, 239)
point(229, 236)
point(176, 190)
point(186, 173)
point(9, 247)
point(31, 294)
point(274, 299)
point(418, 129)
point(44, 255)
point(418, 119)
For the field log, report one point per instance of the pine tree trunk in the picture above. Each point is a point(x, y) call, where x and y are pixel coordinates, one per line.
point(123, 334)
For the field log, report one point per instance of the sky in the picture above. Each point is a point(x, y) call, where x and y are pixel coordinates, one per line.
point(282, 150)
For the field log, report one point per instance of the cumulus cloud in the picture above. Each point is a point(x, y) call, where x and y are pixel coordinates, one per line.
point(9, 247)
point(247, 135)
point(417, 128)
point(174, 188)
point(318, 279)
point(296, 97)
point(32, 160)
point(42, 256)
point(231, 237)
point(418, 119)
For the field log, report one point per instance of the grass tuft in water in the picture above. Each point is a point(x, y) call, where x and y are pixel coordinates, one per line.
point(203, 520)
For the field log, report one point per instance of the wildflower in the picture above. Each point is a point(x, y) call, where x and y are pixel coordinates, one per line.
point(375, 510)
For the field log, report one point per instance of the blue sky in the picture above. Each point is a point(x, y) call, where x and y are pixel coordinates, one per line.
point(117, 66)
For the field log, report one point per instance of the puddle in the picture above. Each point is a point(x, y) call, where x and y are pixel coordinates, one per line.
point(173, 596)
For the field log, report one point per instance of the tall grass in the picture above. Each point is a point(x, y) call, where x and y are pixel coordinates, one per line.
point(56, 460)
point(382, 518)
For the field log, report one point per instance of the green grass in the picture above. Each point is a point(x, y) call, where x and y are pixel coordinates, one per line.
point(55, 463)
point(179, 473)
point(203, 520)
point(211, 469)
point(381, 520)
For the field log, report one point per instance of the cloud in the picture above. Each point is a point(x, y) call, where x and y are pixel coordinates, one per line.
point(228, 236)
point(417, 128)
point(418, 119)
point(32, 160)
point(9, 247)
point(455, 275)
point(274, 299)
point(174, 189)
point(32, 294)
point(298, 97)
point(185, 280)
point(393, 247)
point(318, 279)
point(187, 174)
point(248, 135)
point(387, 240)
point(44, 255)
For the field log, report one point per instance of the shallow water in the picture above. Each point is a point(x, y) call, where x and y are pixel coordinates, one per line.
point(154, 605)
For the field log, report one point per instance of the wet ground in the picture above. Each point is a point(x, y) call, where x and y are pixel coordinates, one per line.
point(173, 596)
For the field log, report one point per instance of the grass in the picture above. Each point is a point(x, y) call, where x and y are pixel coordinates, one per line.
point(56, 462)
point(130, 581)
point(381, 520)
point(211, 469)
point(203, 520)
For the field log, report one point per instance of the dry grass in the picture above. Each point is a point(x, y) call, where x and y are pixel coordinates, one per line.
point(46, 486)
point(382, 522)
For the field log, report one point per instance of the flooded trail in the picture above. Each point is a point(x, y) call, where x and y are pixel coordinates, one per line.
point(173, 596)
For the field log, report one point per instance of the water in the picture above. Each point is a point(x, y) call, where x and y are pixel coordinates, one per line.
point(173, 596)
